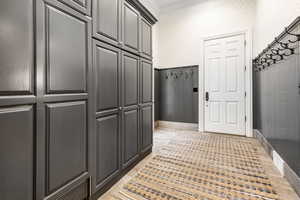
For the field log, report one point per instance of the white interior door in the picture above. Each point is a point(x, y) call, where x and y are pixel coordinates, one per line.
point(225, 85)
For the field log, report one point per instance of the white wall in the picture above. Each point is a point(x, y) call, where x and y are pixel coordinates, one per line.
point(271, 18)
point(182, 27)
point(151, 6)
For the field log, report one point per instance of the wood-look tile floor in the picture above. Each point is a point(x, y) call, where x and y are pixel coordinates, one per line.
point(204, 166)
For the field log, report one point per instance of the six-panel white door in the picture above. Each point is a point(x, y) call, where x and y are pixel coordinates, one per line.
point(225, 85)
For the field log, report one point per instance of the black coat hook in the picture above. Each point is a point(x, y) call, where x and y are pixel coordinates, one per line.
point(296, 35)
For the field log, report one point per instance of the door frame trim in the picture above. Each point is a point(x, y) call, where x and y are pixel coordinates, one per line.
point(248, 79)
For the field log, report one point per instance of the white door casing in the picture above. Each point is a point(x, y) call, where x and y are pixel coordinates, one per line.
point(224, 66)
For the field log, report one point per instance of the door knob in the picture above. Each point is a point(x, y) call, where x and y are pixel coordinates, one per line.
point(207, 96)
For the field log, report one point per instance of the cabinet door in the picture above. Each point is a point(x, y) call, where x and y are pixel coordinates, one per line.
point(146, 128)
point(107, 68)
point(83, 6)
point(108, 149)
point(130, 136)
point(146, 38)
point(107, 20)
point(130, 79)
point(16, 47)
point(146, 81)
point(67, 140)
point(63, 109)
point(130, 28)
point(16, 153)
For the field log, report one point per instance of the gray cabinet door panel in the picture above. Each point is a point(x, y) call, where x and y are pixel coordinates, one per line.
point(146, 127)
point(107, 20)
point(108, 148)
point(107, 66)
point(146, 38)
point(83, 6)
point(66, 143)
point(17, 153)
point(130, 79)
point(66, 50)
point(16, 47)
point(130, 28)
point(130, 136)
point(146, 81)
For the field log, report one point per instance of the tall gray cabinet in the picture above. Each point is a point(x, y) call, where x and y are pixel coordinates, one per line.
point(75, 96)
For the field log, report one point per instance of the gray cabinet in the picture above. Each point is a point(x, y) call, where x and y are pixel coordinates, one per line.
point(107, 20)
point(63, 53)
point(83, 6)
point(16, 153)
point(69, 108)
point(107, 77)
point(16, 47)
point(108, 149)
point(130, 136)
point(17, 100)
point(66, 143)
point(130, 82)
point(146, 38)
point(146, 128)
point(107, 69)
point(131, 30)
point(146, 72)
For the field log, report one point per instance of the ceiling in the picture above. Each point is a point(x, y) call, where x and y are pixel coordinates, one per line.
point(166, 3)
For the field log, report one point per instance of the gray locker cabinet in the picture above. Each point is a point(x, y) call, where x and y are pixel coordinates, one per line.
point(66, 143)
point(146, 38)
point(66, 56)
point(16, 47)
point(146, 128)
point(17, 100)
point(146, 74)
point(107, 64)
point(83, 6)
point(107, 21)
point(130, 82)
point(108, 149)
point(130, 28)
point(130, 134)
point(16, 153)
point(63, 74)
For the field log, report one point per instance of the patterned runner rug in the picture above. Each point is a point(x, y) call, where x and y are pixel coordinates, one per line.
point(202, 167)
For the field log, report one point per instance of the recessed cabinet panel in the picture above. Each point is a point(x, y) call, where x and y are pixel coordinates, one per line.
point(17, 153)
point(130, 28)
point(107, 147)
point(66, 143)
point(146, 121)
point(108, 71)
point(83, 6)
point(67, 50)
point(130, 78)
point(146, 82)
point(16, 47)
point(130, 133)
point(146, 32)
point(107, 20)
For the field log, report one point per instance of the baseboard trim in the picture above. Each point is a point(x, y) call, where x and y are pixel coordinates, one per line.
point(279, 162)
point(178, 125)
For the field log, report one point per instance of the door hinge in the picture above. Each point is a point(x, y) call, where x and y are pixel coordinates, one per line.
point(245, 68)
point(245, 94)
point(245, 42)
point(245, 118)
